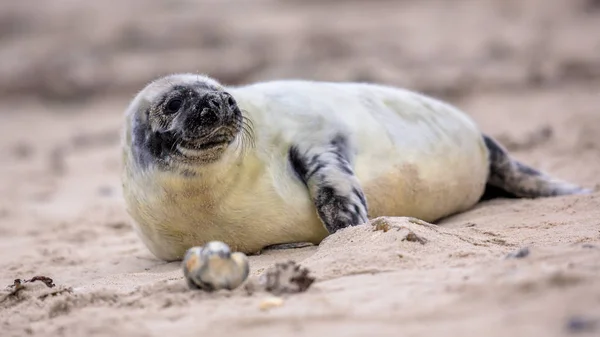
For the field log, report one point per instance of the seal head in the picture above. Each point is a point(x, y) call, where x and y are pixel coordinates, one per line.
point(188, 123)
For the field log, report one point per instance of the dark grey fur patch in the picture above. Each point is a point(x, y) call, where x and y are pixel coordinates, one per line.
point(314, 166)
point(150, 147)
point(198, 85)
point(140, 134)
point(526, 169)
point(509, 177)
point(298, 163)
point(361, 196)
point(336, 211)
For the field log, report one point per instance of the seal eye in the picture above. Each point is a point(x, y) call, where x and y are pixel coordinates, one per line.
point(173, 105)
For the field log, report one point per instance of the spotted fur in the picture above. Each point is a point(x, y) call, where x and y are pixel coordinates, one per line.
point(328, 175)
point(514, 179)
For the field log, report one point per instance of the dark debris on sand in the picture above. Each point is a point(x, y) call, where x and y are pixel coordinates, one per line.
point(283, 278)
point(19, 285)
point(518, 254)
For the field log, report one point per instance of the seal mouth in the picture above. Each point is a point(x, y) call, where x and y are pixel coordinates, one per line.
point(211, 144)
point(198, 149)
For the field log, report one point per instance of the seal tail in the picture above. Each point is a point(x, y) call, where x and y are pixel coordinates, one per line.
point(510, 178)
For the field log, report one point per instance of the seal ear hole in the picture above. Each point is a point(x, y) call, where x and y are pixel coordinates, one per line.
point(173, 105)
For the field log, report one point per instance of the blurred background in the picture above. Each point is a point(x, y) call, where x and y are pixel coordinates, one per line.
point(69, 50)
point(527, 71)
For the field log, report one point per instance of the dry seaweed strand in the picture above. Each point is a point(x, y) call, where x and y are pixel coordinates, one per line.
point(47, 281)
point(19, 285)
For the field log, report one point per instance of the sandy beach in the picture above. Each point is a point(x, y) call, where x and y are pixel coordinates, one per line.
point(528, 72)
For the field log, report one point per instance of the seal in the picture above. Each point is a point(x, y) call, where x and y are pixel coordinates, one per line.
point(292, 161)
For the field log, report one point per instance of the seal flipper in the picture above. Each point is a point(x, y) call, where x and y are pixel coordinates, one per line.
point(510, 178)
point(332, 185)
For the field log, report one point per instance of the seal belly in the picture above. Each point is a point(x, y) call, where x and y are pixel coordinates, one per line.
point(428, 189)
point(419, 157)
point(263, 208)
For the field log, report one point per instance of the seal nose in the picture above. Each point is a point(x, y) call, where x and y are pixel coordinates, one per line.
point(210, 109)
point(214, 107)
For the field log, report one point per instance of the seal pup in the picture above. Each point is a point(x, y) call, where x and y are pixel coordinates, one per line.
point(295, 161)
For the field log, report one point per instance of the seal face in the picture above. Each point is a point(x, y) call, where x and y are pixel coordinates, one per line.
point(294, 161)
point(188, 124)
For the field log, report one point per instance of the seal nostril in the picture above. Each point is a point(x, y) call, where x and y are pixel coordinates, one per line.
point(209, 116)
point(230, 101)
point(215, 103)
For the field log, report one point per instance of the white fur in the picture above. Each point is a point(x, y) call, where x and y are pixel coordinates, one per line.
point(413, 156)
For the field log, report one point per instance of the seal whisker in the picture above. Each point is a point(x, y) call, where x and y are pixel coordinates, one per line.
point(248, 128)
point(244, 129)
point(176, 145)
point(247, 119)
point(247, 131)
point(240, 142)
point(249, 140)
point(246, 138)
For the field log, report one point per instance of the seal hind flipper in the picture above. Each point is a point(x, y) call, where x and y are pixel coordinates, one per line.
point(511, 178)
point(332, 185)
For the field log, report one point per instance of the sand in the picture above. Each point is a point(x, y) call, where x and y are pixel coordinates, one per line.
point(527, 71)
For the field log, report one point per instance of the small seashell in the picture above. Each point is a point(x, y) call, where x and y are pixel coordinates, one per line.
point(213, 267)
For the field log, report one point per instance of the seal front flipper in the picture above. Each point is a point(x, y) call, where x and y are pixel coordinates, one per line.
point(327, 172)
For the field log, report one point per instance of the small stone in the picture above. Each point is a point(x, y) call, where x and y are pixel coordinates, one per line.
point(412, 237)
point(581, 324)
point(270, 302)
point(519, 254)
point(381, 224)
